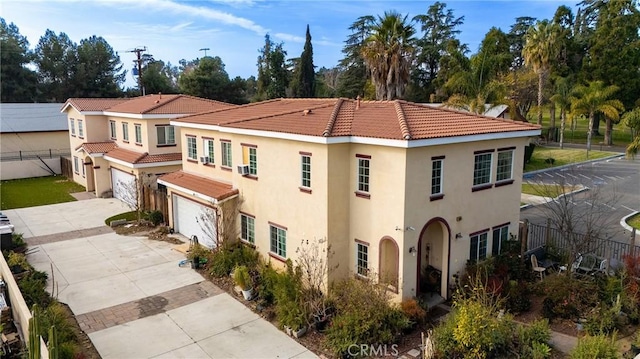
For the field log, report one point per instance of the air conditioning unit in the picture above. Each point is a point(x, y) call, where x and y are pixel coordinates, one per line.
point(243, 169)
point(204, 159)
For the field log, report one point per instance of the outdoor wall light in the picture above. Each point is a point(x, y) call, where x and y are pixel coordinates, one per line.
point(413, 250)
point(458, 235)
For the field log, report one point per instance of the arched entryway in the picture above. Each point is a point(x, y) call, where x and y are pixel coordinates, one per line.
point(433, 258)
point(88, 169)
point(389, 263)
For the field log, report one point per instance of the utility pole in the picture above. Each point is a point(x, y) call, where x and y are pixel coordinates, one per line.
point(138, 51)
point(205, 49)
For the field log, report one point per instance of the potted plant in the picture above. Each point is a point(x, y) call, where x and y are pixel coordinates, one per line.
point(197, 255)
point(243, 280)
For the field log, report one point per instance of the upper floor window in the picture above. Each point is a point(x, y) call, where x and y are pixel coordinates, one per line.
point(166, 135)
point(500, 236)
point(363, 173)
point(482, 169)
point(80, 129)
point(250, 157)
point(208, 150)
point(192, 148)
point(478, 250)
point(72, 127)
point(362, 259)
point(436, 176)
point(247, 228)
point(112, 129)
point(278, 239)
point(125, 132)
point(504, 172)
point(226, 154)
point(138, 129)
point(306, 171)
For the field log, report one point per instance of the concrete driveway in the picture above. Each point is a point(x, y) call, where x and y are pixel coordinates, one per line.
point(134, 301)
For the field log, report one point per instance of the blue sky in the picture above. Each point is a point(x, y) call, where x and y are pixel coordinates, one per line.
point(234, 29)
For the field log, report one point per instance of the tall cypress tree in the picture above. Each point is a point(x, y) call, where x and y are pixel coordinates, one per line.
point(306, 75)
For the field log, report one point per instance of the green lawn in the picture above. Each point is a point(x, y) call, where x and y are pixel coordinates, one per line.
point(634, 221)
point(30, 192)
point(561, 157)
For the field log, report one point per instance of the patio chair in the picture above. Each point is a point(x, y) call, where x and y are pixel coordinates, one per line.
point(536, 268)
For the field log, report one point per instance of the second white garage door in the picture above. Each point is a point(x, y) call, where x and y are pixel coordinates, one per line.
point(124, 186)
point(190, 218)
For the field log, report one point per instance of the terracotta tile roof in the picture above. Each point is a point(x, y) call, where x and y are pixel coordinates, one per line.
point(97, 147)
point(202, 185)
point(134, 157)
point(339, 117)
point(93, 104)
point(168, 104)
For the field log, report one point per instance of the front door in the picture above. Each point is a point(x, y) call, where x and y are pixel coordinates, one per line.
point(433, 258)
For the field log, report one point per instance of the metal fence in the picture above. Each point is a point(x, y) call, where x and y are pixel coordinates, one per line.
point(32, 155)
point(545, 235)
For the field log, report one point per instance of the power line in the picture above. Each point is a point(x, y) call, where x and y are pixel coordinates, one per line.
point(138, 51)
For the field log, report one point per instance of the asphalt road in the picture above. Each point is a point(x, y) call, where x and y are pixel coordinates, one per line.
point(617, 177)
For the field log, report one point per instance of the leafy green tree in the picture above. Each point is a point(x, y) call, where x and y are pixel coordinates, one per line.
point(522, 86)
point(99, 70)
point(595, 98)
point(158, 77)
point(208, 79)
point(56, 60)
point(388, 54)
point(18, 83)
point(517, 39)
point(306, 75)
point(273, 76)
point(539, 50)
point(632, 120)
point(353, 71)
point(327, 82)
point(562, 99)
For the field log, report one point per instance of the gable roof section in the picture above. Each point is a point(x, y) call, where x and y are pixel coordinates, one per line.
point(133, 158)
point(395, 120)
point(92, 104)
point(208, 187)
point(168, 104)
point(32, 117)
point(97, 147)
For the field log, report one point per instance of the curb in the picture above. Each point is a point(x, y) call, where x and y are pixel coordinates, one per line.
point(583, 189)
point(532, 173)
point(623, 223)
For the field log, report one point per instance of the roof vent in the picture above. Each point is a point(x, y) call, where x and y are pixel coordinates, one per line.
point(306, 112)
point(358, 102)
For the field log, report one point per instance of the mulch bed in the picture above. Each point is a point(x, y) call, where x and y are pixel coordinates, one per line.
point(86, 347)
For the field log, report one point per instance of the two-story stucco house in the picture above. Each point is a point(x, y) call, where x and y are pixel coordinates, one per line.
point(116, 142)
point(402, 191)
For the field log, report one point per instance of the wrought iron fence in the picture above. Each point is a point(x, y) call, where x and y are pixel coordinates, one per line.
point(33, 155)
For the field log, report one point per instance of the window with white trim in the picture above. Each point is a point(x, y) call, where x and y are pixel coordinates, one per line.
point(208, 149)
point(278, 239)
point(436, 177)
point(363, 175)
point(247, 228)
point(482, 169)
point(80, 129)
point(192, 148)
point(478, 250)
point(112, 129)
point(226, 154)
point(306, 171)
point(253, 161)
point(72, 126)
point(166, 135)
point(504, 171)
point(76, 165)
point(362, 259)
point(125, 131)
point(84, 171)
point(500, 237)
point(138, 129)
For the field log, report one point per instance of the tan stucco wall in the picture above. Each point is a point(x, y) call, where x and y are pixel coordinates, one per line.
point(34, 141)
point(149, 135)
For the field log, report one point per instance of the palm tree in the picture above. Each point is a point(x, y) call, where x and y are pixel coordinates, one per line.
point(588, 100)
point(388, 53)
point(562, 99)
point(632, 119)
point(475, 100)
point(539, 49)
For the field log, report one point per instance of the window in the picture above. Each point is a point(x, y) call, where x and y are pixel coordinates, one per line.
point(247, 232)
point(436, 176)
point(478, 247)
point(80, 129)
point(226, 154)
point(84, 173)
point(112, 129)
point(278, 241)
point(482, 169)
point(505, 165)
point(253, 161)
point(72, 127)
point(138, 129)
point(363, 175)
point(166, 135)
point(192, 148)
point(208, 149)
point(362, 261)
point(500, 236)
point(76, 166)
point(125, 132)
point(306, 171)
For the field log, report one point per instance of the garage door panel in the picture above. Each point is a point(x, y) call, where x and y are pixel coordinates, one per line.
point(124, 187)
point(194, 219)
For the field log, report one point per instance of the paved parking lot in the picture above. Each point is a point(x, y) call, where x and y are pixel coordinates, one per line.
point(131, 297)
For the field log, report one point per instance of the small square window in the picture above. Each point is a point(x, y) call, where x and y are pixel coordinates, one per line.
point(166, 135)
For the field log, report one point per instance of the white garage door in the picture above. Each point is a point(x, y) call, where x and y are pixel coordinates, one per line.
point(124, 187)
point(191, 218)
